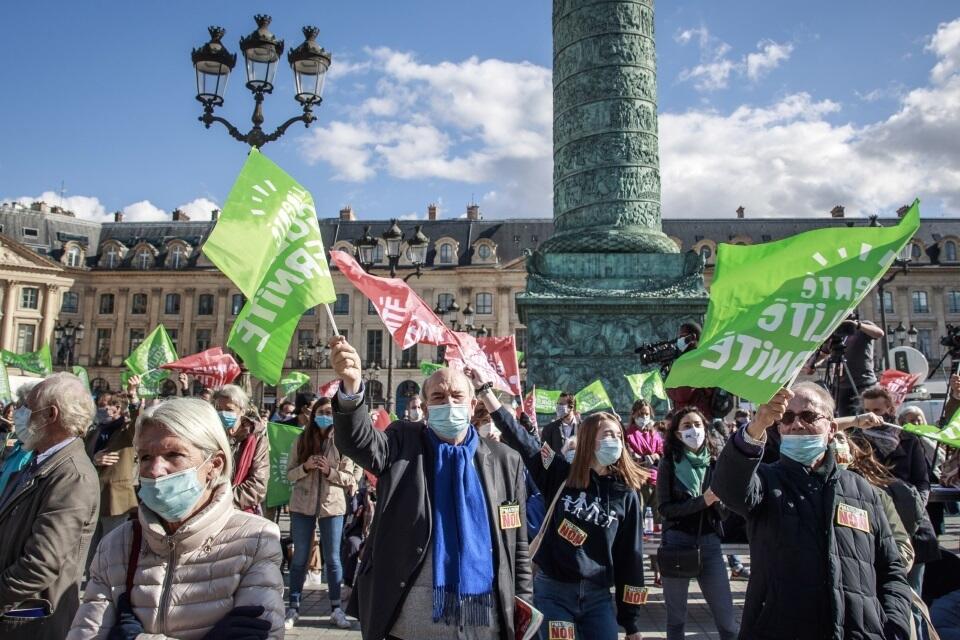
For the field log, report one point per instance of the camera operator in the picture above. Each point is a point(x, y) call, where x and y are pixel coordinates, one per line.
point(688, 335)
point(852, 341)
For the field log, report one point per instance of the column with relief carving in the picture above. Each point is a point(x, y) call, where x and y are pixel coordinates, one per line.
point(50, 299)
point(223, 318)
point(9, 308)
point(186, 321)
point(121, 308)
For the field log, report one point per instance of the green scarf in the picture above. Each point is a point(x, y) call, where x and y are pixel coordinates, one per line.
point(692, 467)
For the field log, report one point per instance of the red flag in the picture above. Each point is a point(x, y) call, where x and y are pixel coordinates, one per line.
point(529, 406)
point(380, 419)
point(467, 352)
point(212, 368)
point(330, 389)
point(898, 384)
point(501, 353)
point(407, 317)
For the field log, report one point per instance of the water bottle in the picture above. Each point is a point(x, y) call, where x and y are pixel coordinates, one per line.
point(648, 521)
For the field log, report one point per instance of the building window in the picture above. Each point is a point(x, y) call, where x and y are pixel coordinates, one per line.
point(953, 301)
point(312, 311)
point(113, 258)
point(30, 232)
point(143, 260)
point(887, 301)
point(178, 257)
point(484, 303)
point(484, 252)
point(950, 251)
point(106, 303)
point(136, 338)
point(174, 337)
point(204, 336)
point(706, 252)
point(371, 310)
point(236, 304)
point(342, 306)
point(446, 254)
point(205, 305)
point(171, 305)
point(374, 347)
point(925, 342)
point(26, 335)
point(73, 257)
point(70, 302)
point(408, 358)
point(520, 337)
point(29, 298)
point(444, 300)
point(102, 357)
point(915, 251)
point(920, 304)
point(138, 304)
point(305, 348)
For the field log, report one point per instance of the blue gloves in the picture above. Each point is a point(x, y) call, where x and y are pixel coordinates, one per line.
point(242, 623)
point(127, 627)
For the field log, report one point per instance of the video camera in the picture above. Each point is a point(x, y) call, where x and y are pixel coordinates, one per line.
point(952, 340)
point(658, 352)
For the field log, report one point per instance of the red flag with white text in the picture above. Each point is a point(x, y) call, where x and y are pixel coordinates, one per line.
point(212, 368)
point(407, 317)
point(529, 406)
point(329, 389)
point(898, 383)
point(467, 352)
point(502, 355)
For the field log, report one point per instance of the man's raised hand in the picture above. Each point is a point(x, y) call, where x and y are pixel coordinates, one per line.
point(346, 363)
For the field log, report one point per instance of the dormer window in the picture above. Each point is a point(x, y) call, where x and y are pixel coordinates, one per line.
point(74, 257)
point(113, 258)
point(446, 254)
point(178, 257)
point(484, 252)
point(142, 260)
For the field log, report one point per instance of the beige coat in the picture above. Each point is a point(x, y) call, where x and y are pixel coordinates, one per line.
point(322, 496)
point(220, 559)
point(118, 482)
point(253, 490)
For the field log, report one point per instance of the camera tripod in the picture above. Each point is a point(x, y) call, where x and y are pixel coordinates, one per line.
point(836, 373)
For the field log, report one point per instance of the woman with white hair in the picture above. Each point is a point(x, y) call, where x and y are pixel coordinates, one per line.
point(190, 566)
point(250, 448)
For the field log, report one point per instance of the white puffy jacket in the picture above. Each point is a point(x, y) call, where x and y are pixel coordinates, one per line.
point(186, 582)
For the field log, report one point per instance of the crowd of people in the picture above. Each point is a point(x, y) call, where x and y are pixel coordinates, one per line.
point(122, 517)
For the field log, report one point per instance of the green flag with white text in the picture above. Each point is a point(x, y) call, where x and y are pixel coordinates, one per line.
point(38, 361)
point(6, 395)
point(155, 350)
point(593, 397)
point(267, 241)
point(545, 400)
point(281, 438)
point(949, 435)
point(292, 382)
point(647, 385)
point(773, 304)
point(429, 368)
point(81, 373)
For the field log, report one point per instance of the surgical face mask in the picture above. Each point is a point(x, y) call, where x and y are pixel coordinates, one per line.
point(609, 451)
point(173, 497)
point(228, 418)
point(415, 415)
point(562, 410)
point(449, 421)
point(693, 437)
point(681, 343)
point(642, 421)
point(322, 421)
point(804, 449)
point(21, 422)
point(569, 454)
point(485, 429)
point(102, 415)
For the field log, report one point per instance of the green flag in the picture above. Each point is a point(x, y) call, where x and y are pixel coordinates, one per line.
point(647, 385)
point(155, 350)
point(949, 435)
point(292, 382)
point(38, 362)
point(545, 400)
point(429, 368)
point(6, 395)
point(267, 241)
point(281, 438)
point(772, 305)
point(81, 373)
point(593, 397)
point(520, 357)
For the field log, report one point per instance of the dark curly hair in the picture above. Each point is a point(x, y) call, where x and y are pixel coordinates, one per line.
point(672, 445)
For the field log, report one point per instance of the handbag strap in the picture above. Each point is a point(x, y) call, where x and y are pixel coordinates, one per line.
point(134, 554)
point(535, 545)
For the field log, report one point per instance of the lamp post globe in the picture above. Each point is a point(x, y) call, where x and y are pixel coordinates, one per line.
point(310, 63)
point(417, 247)
point(261, 52)
point(213, 64)
point(393, 237)
point(366, 247)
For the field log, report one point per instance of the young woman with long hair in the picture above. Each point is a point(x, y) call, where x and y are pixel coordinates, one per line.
point(319, 475)
point(646, 446)
point(593, 540)
point(692, 517)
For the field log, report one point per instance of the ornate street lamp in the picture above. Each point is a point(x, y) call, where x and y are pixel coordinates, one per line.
point(67, 336)
point(417, 247)
point(468, 317)
point(900, 265)
point(393, 237)
point(366, 247)
point(261, 53)
point(912, 336)
point(901, 333)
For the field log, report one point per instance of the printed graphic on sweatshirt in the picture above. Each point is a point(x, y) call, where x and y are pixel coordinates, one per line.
point(594, 512)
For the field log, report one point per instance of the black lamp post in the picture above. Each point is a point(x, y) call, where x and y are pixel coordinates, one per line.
point(261, 53)
point(366, 249)
point(901, 264)
point(67, 336)
point(912, 336)
point(901, 333)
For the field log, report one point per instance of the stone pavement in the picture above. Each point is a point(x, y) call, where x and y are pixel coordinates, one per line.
point(314, 621)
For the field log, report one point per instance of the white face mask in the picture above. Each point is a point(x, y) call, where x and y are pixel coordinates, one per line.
point(681, 343)
point(562, 410)
point(642, 421)
point(21, 422)
point(485, 429)
point(693, 437)
point(415, 415)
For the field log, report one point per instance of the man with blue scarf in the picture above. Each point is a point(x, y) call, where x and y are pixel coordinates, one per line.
point(825, 564)
point(447, 553)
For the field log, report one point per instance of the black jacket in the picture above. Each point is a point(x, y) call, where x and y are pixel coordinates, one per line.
point(553, 436)
point(607, 513)
point(909, 463)
point(810, 576)
point(400, 537)
point(682, 510)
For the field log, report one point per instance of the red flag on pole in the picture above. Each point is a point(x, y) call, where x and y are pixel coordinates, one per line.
point(212, 368)
point(467, 352)
point(380, 419)
point(529, 406)
point(501, 353)
point(328, 390)
point(407, 317)
point(898, 383)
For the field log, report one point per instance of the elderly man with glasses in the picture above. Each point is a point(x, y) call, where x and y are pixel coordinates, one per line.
point(825, 564)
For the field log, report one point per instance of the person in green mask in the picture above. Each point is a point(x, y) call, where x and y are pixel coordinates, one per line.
point(692, 518)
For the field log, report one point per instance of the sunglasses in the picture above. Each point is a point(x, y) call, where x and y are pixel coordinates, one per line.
point(808, 417)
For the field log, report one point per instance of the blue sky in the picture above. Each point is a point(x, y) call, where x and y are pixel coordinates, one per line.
point(785, 108)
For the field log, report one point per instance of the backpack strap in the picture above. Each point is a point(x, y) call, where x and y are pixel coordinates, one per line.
point(134, 554)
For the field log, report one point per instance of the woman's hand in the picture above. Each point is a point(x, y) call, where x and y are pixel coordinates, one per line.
point(106, 458)
point(710, 497)
point(323, 465)
point(311, 463)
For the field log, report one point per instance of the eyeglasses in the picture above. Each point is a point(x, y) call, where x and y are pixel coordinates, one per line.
point(808, 417)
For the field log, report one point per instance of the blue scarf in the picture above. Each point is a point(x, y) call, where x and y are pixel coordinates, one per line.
point(462, 561)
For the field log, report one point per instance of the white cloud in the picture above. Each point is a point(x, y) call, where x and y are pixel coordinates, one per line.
point(199, 208)
point(90, 208)
point(717, 67)
point(945, 44)
point(144, 211)
point(87, 207)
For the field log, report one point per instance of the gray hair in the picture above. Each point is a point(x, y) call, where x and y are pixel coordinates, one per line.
point(820, 395)
point(72, 399)
point(196, 423)
point(906, 412)
point(24, 389)
point(232, 393)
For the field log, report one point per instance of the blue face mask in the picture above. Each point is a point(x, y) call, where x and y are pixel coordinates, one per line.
point(609, 451)
point(228, 418)
point(322, 421)
point(804, 449)
point(448, 421)
point(174, 496)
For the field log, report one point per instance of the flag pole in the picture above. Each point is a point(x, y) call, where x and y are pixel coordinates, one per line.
point(333, 323)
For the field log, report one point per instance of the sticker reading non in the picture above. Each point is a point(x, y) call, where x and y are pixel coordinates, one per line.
point(853, 517)
point(572, 533)
point(509, 516)
point(634, 595)
point(561, 630)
